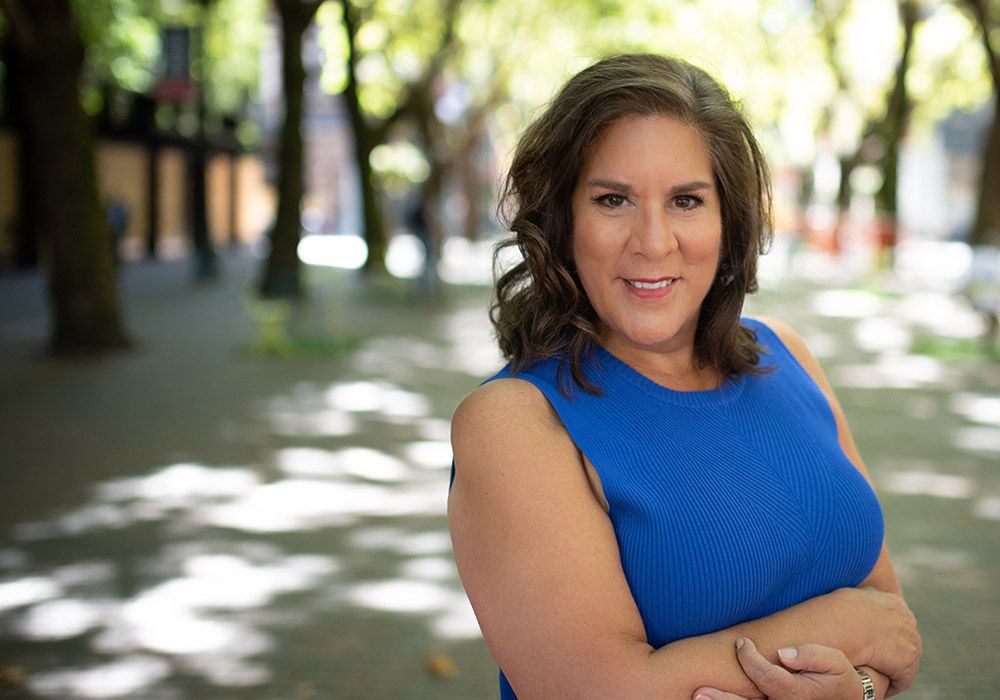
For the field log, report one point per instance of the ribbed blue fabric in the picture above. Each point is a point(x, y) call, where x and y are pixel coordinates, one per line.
point(728, 504)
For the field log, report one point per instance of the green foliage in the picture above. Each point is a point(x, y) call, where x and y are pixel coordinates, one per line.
point(950, 70)
point(123, 43)
point(333, 40)
point(234, 35)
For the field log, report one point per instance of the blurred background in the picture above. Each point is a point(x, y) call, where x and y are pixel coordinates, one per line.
point(245, 253)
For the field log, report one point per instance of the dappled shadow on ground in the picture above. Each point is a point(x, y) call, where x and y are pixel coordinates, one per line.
point(195, 576)
point(322, 567)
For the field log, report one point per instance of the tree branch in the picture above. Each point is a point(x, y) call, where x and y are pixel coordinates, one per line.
point(312, 8)
point(21, 29)
point(438, 57)
point(981, 10)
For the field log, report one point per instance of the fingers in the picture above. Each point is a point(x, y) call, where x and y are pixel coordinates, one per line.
point(768, 677)
point(812, 657)
point(716, 694)
point(817, 672)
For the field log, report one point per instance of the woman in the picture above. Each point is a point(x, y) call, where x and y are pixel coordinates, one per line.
point(655, 496)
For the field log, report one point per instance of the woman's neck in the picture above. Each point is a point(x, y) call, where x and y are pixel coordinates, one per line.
point(676, 369)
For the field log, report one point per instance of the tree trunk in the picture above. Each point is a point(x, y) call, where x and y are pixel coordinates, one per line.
point(898, 109)
point(206, 261)
point(72, 226)
point(281, 275)
point(469, 175)
point(365, 141)
point(153, 194)
point(25, 227)
point(986, 229)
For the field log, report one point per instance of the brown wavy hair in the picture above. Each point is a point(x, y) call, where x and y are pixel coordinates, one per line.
point(539, 308)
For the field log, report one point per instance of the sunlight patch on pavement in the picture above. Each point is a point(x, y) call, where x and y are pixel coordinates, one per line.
point(426, 584)
point(987, 508)
point(374, 538)
point(366, 463)
point(296, 422)
point(892, 372)
point(823, 345)
point(182, 632)
point(471, 262)
point(434, 542)
point(429, 454)
point(334, 410)
point(430, 568)
point(229, 582)
point(451, 615)
point(434, 429)
point(470, 349)
point(400, 596)
point(405, 256)
point(300, 504)
point(473, 349)
point(382, 397)
point(848, 303)
point(119, 678)
point(944, 315)
point(882, 334)
point(977, 439)
point(394, 539)
point(226, 671)
point(936, 559)
point(927, 484)
point(977, 408)
point(347, 252)
point(62, 619)
point(28, 591)
point(179, 485)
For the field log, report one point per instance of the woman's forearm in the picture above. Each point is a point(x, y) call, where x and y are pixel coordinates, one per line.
point(871, 627)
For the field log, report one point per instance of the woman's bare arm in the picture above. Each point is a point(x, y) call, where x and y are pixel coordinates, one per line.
point(540, 562)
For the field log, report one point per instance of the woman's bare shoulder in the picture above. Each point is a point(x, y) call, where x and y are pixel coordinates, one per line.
point(504, 405)
point(508, 422)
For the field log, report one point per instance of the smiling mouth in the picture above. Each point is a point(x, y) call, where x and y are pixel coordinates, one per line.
point(661, 284)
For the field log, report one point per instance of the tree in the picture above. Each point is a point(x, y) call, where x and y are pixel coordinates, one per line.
point(883, 118)
point(72, 229)
point(986, 229)
point(281, 275)
point(891, 128)
point(385, 63)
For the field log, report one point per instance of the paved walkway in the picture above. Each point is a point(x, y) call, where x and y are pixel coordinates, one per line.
point(232, 512)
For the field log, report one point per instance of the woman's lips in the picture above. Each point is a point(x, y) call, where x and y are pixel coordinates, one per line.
point(652, 284)
point(651, 289)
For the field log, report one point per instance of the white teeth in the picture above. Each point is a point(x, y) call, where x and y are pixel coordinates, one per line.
point(651, 285)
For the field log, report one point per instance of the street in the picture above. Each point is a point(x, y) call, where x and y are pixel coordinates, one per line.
point(234, 509)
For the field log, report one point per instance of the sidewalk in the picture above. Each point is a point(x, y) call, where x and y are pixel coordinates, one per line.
point(137, 488)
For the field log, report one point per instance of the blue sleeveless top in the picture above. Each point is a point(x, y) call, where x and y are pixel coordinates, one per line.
point(728, 504)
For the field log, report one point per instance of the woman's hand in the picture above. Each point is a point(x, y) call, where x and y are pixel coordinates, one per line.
point(809, 672)
point(896, 653)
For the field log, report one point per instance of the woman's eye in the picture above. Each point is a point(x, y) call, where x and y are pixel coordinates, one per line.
point(611, 200)
point(687, 202)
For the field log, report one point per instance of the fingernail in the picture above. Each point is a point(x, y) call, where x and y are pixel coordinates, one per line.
point(702, 696)
point(739, 645)
point(788, 653)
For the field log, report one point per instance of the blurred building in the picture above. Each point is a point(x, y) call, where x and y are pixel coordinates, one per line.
point(144, 150)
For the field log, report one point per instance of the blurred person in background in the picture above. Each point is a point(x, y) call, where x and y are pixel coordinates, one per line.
point(657, 498)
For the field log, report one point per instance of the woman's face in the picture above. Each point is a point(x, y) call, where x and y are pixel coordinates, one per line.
point(647, 229)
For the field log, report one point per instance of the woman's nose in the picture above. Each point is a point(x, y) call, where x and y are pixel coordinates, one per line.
point(654, 236)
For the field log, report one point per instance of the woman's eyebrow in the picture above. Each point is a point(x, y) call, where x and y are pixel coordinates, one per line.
point(610, 185)
point(628, 189)
point(690, 187)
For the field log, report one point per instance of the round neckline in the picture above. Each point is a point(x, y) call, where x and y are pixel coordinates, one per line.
point(610, 368)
